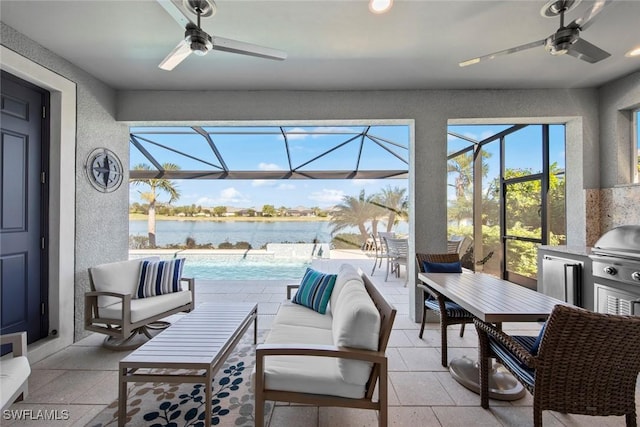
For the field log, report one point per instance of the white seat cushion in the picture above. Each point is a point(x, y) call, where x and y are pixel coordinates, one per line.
point(306, 374)
point(121, 277)
point(356, 324)
point(145, 308)
point(298, 315)
point(13, 374)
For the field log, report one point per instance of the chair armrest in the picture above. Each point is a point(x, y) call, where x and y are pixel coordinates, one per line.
point(105, 294)
point(191, 282)
point(263, 350)
point(18, 343)
point(438, 296)
point(520, 352)
point(290, 288)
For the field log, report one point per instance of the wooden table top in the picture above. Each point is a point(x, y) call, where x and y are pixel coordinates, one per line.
point(491, 299)
point(197, 339)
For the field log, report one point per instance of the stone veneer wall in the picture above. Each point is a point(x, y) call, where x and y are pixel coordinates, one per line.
point(611, 207)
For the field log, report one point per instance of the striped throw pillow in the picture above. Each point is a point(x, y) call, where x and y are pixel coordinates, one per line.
point(315, 290)
point(159, 277)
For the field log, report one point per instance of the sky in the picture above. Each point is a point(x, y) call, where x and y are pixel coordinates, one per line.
point(263, 149)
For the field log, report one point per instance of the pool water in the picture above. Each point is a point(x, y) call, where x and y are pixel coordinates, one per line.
point(240, 267)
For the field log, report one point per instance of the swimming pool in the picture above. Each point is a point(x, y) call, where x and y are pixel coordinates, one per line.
point(238, 266)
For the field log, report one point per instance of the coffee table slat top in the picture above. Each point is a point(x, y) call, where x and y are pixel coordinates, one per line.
point(195, 339)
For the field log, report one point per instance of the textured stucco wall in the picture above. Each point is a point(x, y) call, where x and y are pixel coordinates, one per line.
point(101, 221)
point(617, 99)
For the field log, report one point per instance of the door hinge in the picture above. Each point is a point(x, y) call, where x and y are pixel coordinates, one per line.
point(42, 243)
point(44, 112)
point(42, 309)
point(43, 177)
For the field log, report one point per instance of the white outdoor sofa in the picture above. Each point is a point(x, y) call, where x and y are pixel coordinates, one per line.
point(14, 370)
point(113, 308)
point(332, 359)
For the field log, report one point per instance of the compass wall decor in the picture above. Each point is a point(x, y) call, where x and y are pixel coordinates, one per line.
point(104, 170)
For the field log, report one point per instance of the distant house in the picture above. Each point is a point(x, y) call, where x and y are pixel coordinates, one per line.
point(300, 211)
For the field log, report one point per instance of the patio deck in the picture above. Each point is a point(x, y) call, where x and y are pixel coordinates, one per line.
point(82, 378)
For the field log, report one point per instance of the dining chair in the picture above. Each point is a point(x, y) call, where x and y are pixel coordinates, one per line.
point(380, 248)
point(581, 363)
point(398, 252)
point(450, 313)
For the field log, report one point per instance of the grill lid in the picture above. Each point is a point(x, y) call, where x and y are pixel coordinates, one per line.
point(621, 241)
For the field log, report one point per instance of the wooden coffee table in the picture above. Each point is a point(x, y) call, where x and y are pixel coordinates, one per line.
point(202, 340)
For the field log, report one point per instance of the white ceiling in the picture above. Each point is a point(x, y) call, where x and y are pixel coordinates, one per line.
point(331, 44)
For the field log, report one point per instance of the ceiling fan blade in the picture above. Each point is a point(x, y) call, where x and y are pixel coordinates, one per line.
point(586, 51)
point(502, 52)
point(235, 46)
point(585, 21)
point(177, 55)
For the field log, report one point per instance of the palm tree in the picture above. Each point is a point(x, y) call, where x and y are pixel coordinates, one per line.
point(355, 212)
point(156, 186)
point(393, 202)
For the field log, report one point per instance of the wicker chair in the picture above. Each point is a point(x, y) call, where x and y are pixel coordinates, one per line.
point(449, 312)
point(587, 363)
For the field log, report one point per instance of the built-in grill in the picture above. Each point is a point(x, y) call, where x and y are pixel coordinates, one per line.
point(616, 271)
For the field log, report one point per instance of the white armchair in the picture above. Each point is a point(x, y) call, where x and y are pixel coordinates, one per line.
point(14, 371)
point(115, 306)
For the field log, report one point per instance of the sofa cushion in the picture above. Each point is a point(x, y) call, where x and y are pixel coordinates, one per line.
point(356, 324)
point(13, 374)
point(159, 277)
point(298, 315)
point(347, 276)
point(306, 374)
point(315, 290)
point(144, 308)
point(120, 277)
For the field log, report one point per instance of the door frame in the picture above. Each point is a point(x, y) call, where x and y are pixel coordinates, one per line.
point(61, 204)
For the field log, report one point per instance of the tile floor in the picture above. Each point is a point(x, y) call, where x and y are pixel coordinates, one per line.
point(82, 379)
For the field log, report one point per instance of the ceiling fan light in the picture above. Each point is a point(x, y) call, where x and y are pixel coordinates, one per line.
point(199, 48)
point(633, 52)
point(380, 6)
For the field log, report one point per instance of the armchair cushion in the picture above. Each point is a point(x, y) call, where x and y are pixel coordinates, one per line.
point(315, 290)
point(159, 277)
point(442, 267)
point(508, 358)
point(347, 276)
point(453, 309)
point(536, 343)
point(145, 308)
point(120, 277)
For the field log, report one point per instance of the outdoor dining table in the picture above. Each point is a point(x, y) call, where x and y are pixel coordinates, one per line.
point(492, 300)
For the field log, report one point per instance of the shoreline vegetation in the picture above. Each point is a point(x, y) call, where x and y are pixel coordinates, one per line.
point(140, 217)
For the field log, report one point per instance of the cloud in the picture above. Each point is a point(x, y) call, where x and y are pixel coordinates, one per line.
point(286, 186)
point(269, 167)
point(227, 196)
point(363, 182)
point(327, 196)
point(263, 183)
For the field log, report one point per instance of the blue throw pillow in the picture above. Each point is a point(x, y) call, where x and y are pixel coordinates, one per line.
point(159, 277)
point(315, 290)
point(536, 343)
point(442, 267)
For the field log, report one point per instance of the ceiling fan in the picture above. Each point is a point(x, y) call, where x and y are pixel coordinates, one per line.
point(566, 39)
point(197, 41)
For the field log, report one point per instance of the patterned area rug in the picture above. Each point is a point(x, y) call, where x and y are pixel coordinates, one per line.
point(182, 405)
